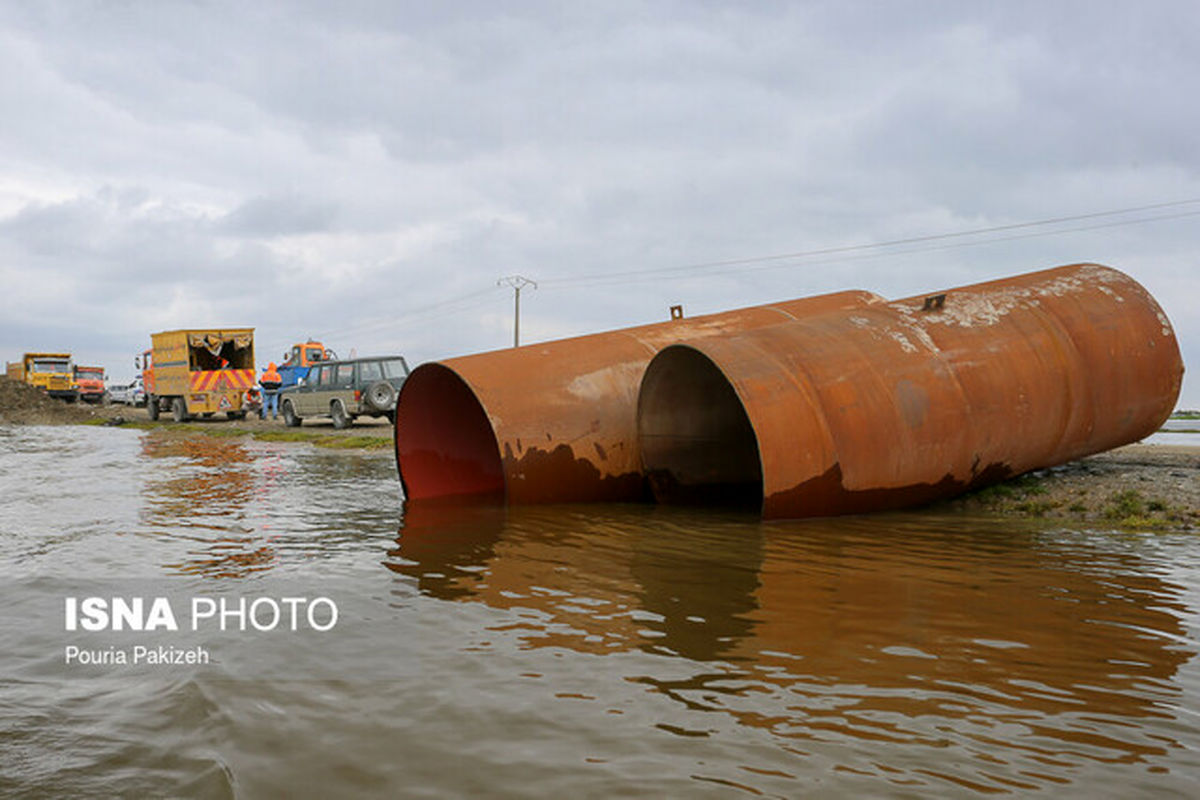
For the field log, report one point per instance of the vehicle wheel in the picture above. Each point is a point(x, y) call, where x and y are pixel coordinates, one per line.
point(179, 410)
point(381, 396)
point(341, 420)
point(152, 407)
point(289, 415)
point(235, 415)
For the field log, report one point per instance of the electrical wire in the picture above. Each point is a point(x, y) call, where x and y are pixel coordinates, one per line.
point(795, 260)
point(404, 318)
point(803, 254)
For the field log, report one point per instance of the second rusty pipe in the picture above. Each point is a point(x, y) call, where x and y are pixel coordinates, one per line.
point(898, 404)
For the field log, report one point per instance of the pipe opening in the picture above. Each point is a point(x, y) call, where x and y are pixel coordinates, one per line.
point(697, 444)
point(445, 445)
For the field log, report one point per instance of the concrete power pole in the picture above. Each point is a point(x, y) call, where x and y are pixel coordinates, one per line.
point(517, 283)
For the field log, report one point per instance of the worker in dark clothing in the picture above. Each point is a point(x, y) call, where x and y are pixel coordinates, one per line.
point(270, 382)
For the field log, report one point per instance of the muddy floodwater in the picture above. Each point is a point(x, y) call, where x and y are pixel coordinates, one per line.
point(565, 651)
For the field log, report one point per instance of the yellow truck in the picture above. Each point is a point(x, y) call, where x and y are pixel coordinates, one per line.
point(200, 372)
point(53, 372)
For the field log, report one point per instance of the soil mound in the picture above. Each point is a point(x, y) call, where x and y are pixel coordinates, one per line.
point(22, 404)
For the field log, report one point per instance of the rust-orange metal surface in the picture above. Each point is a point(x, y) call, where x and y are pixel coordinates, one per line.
point(557, 421)
point(896, 404)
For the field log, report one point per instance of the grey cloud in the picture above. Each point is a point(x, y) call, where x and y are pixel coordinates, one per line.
point(275, 216)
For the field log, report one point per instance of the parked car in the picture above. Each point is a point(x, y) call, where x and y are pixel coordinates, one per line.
point(118, 394)
point(137, 393)
point(345, 389)
point(129, 394)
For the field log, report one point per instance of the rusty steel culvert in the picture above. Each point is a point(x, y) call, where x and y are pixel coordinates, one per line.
point(907, 402)
point(842, 403)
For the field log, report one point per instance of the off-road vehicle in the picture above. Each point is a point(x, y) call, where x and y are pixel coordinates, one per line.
point(345, 389)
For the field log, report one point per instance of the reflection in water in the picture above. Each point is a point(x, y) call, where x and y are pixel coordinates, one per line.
point(211, 476)
point(1029, 654)
point(207, 487)
point(243, 505)
point(659, 579)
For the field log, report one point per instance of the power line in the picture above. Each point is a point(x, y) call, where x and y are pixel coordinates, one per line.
point(613, 278)
point(405, 317)
point(890, 243)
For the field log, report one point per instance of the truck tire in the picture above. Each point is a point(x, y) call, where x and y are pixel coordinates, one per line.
point(380, 396)
point(289, 415)
point(152, 406)
point(179, 410)
point(341, 420)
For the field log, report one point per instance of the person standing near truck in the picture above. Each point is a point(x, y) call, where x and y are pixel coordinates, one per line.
point(270, 382)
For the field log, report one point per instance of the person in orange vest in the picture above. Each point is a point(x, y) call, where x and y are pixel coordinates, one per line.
point(270, 381)
point(252, 401)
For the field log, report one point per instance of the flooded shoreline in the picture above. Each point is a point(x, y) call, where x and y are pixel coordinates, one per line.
point(1151, 485)
point(1148, 485)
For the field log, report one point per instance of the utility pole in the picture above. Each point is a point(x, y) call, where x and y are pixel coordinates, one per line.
point(517, 283)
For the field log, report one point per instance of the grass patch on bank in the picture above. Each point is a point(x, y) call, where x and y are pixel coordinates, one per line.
point(233, 431)
point(1034, 495)
point(1020, 488)
point(1130, 509)
point(325, 440)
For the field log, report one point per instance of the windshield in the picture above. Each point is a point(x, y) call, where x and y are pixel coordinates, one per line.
point(51, 365)
point(395, 368)
point(90, 374)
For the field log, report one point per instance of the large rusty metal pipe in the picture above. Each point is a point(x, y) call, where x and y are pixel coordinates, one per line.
point(897, 404)
point(557, 421)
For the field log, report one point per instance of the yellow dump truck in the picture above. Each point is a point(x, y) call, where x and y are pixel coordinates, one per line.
point(200, 372)
point(53, 372)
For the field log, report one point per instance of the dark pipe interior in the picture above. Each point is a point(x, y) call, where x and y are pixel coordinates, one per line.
point(697, 444)
point(445, 445)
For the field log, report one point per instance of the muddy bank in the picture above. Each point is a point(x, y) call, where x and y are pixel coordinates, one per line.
point(22, 404)
point(1136, 486)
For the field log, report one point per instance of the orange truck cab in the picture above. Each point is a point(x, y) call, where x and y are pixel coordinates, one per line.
point(299, 359)
point(146, 365)
point(90, 381)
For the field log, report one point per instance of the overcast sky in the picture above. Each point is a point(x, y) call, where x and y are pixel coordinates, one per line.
point(365, 172)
